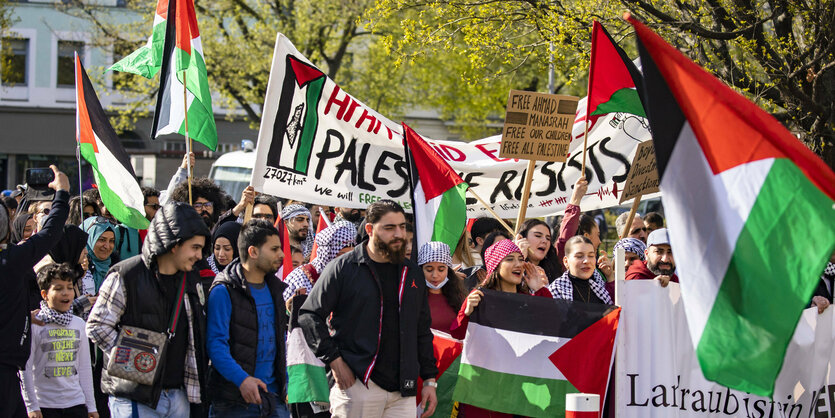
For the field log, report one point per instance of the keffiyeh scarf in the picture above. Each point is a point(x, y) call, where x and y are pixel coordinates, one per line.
point(51, 316)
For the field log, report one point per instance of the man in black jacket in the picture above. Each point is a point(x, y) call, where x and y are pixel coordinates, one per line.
point(380, 324)
point(15, 262)
point(246, 328)
point(144, 292)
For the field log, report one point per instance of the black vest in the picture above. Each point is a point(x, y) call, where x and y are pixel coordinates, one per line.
point(243, 333)
point(145, 307)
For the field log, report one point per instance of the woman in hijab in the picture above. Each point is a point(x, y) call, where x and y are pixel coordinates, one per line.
point(101, 240)
point(445, 291)
point(224, 246)
point(331, 242)
point(22, 228)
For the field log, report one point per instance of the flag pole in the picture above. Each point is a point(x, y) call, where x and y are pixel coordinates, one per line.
point(588, 101)
point(526, 191)
point(188, 138)
point(80, 181)
point(492, 212)
point(631, 216)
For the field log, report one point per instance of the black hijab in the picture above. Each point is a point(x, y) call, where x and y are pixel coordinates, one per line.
point(68, 249)
point(230, 231)
point(18, 226)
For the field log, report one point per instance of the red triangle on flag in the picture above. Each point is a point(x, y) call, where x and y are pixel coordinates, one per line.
point(319, 227)
point(304, 72)
point(430, 165)
point(585, 359)
point(84, 126)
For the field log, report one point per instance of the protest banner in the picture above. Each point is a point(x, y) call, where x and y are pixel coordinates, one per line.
point(320, 145)
point(537, 126)
point(658, 373)
point(643, 175)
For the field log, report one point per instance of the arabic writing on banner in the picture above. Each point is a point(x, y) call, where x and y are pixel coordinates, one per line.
point(319, 144)
point(658, 374)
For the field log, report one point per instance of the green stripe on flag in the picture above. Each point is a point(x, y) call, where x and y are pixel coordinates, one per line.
point(767, 285)
point(307, 383)
point(511, 393)
point(124, 214)
point(451, 218)
point(446, 387)
point(147, 60)
point(624, 100)
point(311, 121)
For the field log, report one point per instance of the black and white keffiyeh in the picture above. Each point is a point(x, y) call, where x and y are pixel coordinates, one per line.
point(330, 241)
point(561, 288)
point(51, 316)
point(434, 251)
point(633, 245)
point(829, 271)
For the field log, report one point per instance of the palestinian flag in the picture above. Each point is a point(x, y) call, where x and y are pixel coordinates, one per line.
point(147, 60)
point(306, 376)
point(750, 214)
point(100, 146)
point(523, 353)
point(182, 59)
point(613, 78)
point(323, 223)
point(448, 360)
point(287, 263)
point(437, 191)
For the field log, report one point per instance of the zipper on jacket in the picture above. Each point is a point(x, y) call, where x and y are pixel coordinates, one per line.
point(380, 325)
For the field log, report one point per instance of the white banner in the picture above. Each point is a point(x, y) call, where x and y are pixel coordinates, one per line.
point(658, 374)
point(320, 145)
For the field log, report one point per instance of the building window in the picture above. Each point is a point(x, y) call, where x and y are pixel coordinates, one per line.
point(13, 71)
point(66, 63)
point(175, 146)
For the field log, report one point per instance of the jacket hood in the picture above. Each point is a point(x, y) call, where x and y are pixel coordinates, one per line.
point(233, 276)
point(174, 222)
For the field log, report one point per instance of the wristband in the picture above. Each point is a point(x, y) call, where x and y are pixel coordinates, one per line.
point(430, 383)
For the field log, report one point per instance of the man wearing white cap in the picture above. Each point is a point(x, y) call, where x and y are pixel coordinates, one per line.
point(659, 264)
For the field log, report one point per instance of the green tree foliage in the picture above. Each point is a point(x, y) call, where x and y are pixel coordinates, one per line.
point(779, 53)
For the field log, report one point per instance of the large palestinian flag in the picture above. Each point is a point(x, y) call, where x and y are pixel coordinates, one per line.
point(447, 352)
point(438, 192)
point(115, 178)
point(147, 60)
point(523, 353)
point(750, 215)
point(182, 59)
point(306, 376)
point(613, 78)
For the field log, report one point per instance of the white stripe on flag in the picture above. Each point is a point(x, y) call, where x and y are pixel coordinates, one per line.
point(425, 213)
point(119, 180)
point(705, 241)
point(298, 352)
point(176, 110)
point(511, 352)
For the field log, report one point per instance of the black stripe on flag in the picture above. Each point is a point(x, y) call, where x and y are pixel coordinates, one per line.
point(665, 117)
point(630, 66)
point(536, 315)
point(101, 125)
point(162, 113)
point(298, 301)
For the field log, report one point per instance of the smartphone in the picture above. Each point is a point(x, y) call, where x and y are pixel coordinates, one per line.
point(39, 177)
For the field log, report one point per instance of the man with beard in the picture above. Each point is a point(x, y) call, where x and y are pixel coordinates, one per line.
point(659, 264)
point(297, 219)
point(246, 328)
point(376, 299)
point(353, 216)
point(206, 198)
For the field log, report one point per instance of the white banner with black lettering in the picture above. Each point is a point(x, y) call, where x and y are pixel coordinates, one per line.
point(658, 374)
point(319, 144)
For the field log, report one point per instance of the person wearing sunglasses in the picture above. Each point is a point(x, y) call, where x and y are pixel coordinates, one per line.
point(15, 317)
point(637, 230)
point(206, 198)
point(151, 202)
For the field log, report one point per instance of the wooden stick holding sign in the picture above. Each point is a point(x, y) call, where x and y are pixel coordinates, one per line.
point(537, 127)
point(642, 179)
point(248, 213)
point(492, 212)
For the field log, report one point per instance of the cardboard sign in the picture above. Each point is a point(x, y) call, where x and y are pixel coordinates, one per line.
point(537, 126)
point(643, 176)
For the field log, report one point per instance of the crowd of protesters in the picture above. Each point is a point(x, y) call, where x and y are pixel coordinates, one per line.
point(75, 278)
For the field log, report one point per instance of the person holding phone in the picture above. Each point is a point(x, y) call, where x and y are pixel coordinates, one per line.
point(15, 317)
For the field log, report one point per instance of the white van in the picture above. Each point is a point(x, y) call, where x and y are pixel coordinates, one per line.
point(233, 171)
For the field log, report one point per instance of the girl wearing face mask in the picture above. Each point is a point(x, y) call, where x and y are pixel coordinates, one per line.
point(101, 240)
point(224, 246)
point(581, 281)
point(445, 289)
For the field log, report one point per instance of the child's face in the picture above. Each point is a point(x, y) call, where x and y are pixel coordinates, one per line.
point(59, 296)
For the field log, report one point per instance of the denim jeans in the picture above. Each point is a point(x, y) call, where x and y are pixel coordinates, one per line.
point(173, 403)
point(222, 409)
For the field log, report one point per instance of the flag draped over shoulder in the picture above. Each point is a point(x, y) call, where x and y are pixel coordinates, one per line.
point(613, 78)
point(182, 67)
point(440, 205)
point(99, 145)
point(750, 215)
point(306, 376)
point(147, 60)
point(522, 353)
